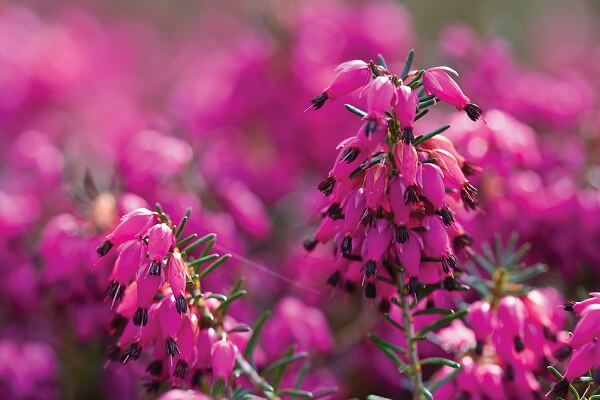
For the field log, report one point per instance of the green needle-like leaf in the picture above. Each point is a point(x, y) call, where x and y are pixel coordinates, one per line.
point(434, 386)
point(427, 136)
point(440, 361)
point(256, 331)
point(442, 322)
point(408, 63)
point(355, 110)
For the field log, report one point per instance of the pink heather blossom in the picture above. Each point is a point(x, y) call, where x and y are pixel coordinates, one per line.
point(350, 76)
point(406, 110)
point(436, 81)
point(222, 355)
point(126, 266)
point(131, 225)
point(180, 394)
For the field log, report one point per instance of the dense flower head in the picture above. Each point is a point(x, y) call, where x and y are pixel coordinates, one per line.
point(161, 310)
point(504, 346)
point(393, 194)
point(583, 344)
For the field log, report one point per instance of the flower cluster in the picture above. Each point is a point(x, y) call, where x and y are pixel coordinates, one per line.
point(392, 195)
point(583, 344)
point(185, 332)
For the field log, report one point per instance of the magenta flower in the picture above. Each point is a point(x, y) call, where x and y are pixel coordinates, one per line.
point(436, 81)
point(222, 355)
point(131, 225)
point(406, 110)
point(350, 76)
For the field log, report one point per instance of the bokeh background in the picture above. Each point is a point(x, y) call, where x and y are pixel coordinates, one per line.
point(109, 105)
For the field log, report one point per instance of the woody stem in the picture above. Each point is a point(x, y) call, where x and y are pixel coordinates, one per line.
point(409, 334)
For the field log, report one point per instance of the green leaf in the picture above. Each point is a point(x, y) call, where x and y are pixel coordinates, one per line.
point(199, 242)
point(355, 110)
point(379, 342)
point(230, 299)
point(408, 63)
point(285, 361)
point(296, 393)
point(241, 328)
point(434, 386)
point(440, 361)
point(426, 393)
point(216, 264)
point(393, 322)
point(184, 220)
point(421, 114)
point(442, 322)
point(434, 310)
point(280, 365)
point(256, 331)
point(208, 247)
point(488, 253)
point(427, 103)
point(426, 98)
point(559, 376)
point(427, 136)
point(375, 397)
point(201, 260)
point(484, 263)
point(186, 240)
point(528, 273)
point(516, 256)
point(381, 61)
point(301, 375)
point(389, 350)
point(373, 68)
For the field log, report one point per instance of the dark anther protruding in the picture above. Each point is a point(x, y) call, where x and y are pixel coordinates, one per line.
point(346, 246)
point(350, 154)
point(370, 268)
point(448, 263)
point(596, 375)
point(155, 267)
point(411, 196)
point(104, 248)
point(181, 369)
point(519, 346)
point(370, 290)
point(349, 286)
point(155, 368)
point(140, 317)
point(468, 194)
point(310, 244)
point(402, 234)
point(181, 304)
point(335, 211)
point(563, 352)
point(479, 348)
point(318, 101)
point(197, 378)
point(326, 186)
point(509, 373)
point(115, 291)
point(407, 135)
point(117, 324)
point(473, 111)
point(560, 389)
point(370, 126)
point(462, 241)
point(385, 306)
point(334, 279)
point(171, 347)
point(447, 216)
point(132, 352)
point(413, 285)
point(568, 306)
point(368, 217)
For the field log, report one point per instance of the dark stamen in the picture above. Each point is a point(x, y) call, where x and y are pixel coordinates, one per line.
point(370, 268)
point(468, 168)
point(402, 235)
point(346, 246)
point(327, 185)
point(568, 306)
point(468, 194)
point(473, 111)
point(181, 369)
point(350, 154)
point(140, 318)
point(181, 304)
point(171, 347)
point(349, 287)
point(411, 196)
point(319, 100)
point(335, 211)
point(413, 285)
point(334, 279)
point(519, 346)
point(132, 352)
point(310, 244)
point(155, 267)
point(509, 373)
point(104, 248)
point(385, 306)
point(447, 216)
point(560, 389)
point(367, 218)
point(462, 241)
point(370, 126)
point(407, 135)
point(155, 368)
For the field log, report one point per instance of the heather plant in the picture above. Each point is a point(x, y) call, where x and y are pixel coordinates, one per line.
point(392, 198)
point(184, 331)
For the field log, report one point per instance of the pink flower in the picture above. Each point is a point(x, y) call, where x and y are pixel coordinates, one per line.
point(160, 242)
point(131, 225)
point(351, 75)
point(406, 110)
point(127, 264)
point(223, 354)
point(437, 82)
